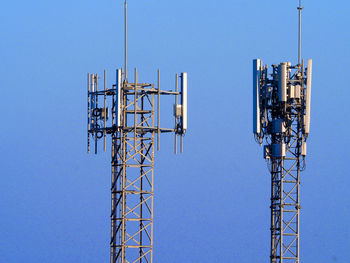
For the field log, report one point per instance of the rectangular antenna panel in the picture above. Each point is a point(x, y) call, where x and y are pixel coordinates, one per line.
point(118, 102)
point(257, 63)
point(92, 82)
point(93, 90)
point(282, 81)
point(184, 99)
point(308, 97)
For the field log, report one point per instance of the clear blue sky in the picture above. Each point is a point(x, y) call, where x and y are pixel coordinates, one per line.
point(211, 203)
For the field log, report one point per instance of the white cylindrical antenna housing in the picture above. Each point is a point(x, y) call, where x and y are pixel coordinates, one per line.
point(308, 97)
point(92, 82)
point(291, 92)
point(184, 100)
point(257, 63)
point(282, 81)
point(93, 96)
point(297, 91)
point(118, 102)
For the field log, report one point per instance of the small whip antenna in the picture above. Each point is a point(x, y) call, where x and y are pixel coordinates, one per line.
point(300, 8)
point(125, 42)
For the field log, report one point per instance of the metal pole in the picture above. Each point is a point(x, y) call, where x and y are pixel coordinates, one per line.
point(158, 117)
point(126, 42)
point(124, 151)
point(272, 252)
point(96, 106)
point(142, 172)
point(124, 135)
point(298, 188)
point(176, 89)
point(135, 110)
point(105, 112)
point(281, 207)
point(182, 143)
point(88, 112)
point(113, 214)
point(299, 46)
point(152, 186)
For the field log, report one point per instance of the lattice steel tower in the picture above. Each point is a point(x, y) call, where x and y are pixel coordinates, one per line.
point(129, 115)
point(282, 118)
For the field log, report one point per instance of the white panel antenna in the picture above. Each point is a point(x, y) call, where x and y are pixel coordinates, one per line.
point(184, 100)
point(132, 129)
point(282, 83)
point(257, 63)
point(281, 119)
point(118, 103)
point(93, 90)
point(308, 97)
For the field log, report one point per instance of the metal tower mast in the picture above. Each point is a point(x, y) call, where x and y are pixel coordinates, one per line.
point(133, 125)
point(282, 118)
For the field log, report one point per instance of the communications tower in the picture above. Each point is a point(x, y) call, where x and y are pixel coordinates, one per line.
point(281, 120)
point(129, 112)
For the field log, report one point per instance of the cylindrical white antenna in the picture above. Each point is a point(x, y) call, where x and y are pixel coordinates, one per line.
point(299, 46)
point(282, 83)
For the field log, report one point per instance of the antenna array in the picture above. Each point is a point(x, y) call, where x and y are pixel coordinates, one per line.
point(127, 112)
point(281, 118)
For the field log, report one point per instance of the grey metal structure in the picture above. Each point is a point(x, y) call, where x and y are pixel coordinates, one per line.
point(130, 114)
point(281, 118)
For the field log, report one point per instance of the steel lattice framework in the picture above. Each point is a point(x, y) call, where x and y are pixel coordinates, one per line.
point(282, 118)
point(285, 178)
point(132, 176)
point(132, 127)
point(133, 107)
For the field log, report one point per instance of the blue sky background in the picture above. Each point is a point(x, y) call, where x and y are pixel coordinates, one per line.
point(212, 202)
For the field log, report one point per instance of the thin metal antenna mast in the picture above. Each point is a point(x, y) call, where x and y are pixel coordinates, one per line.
point(281, 117)
point(300, 8)
point(125, 41)
point(132, 127)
